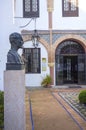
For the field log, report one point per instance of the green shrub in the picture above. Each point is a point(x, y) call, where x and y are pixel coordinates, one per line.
point(1, 97)
point(82, 97)
point(1, 108)
point(46, 81)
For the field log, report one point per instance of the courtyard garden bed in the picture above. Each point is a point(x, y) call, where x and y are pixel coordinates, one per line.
point(1, 110)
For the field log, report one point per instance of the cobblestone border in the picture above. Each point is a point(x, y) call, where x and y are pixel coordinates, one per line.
point(72, 99)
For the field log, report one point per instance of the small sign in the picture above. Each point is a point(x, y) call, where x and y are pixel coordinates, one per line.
point(43, 64)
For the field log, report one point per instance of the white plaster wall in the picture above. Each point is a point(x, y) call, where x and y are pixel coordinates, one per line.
point(59, 22)
point(67, 23)
point(34, 80)
point(4, 43)
point(41, 22)
point(6, 27)
point(9, 24)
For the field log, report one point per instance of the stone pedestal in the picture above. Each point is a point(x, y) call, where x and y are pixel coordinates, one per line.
point(14, 100)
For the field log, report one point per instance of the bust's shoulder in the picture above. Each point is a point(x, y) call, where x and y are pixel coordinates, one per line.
point(12, 52)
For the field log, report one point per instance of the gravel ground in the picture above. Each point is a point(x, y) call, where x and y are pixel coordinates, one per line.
point(48, 114)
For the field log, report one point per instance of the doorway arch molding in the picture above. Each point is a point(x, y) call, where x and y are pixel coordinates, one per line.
point(41, 40)
point(76, 38)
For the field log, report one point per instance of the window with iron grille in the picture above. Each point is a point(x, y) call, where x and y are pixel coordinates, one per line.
point(70, 8)
point(32, 55)
point(30, 8)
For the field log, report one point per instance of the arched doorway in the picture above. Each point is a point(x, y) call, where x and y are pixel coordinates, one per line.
point(70, 63)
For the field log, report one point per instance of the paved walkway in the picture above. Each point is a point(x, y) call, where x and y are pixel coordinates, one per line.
point(51, 112)
point(27, 111)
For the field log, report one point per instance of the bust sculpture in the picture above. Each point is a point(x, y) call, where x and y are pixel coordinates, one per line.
point(13, 58)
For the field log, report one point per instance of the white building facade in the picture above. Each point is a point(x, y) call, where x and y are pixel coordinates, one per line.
point(62, 44)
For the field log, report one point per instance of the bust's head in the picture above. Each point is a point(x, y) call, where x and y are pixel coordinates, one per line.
point(16, 40)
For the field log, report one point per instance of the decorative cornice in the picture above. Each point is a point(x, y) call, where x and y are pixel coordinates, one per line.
point(24, 32)
point(56, 34)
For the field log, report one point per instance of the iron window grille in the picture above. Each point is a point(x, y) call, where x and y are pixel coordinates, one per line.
point(30, 8)
point(70, 8)
point(32, 56)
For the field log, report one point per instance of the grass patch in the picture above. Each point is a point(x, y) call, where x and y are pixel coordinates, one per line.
point(1, 108)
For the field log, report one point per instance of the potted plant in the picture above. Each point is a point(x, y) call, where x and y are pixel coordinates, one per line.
point(46, 82)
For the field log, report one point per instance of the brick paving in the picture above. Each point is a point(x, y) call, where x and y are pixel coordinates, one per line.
point(51, 112)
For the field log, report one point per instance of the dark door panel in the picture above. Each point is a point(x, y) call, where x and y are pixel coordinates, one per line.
point(70, 69)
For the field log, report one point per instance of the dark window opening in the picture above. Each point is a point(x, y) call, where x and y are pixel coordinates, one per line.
point(30, 8)
point(70, 8)
point(32, 56)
